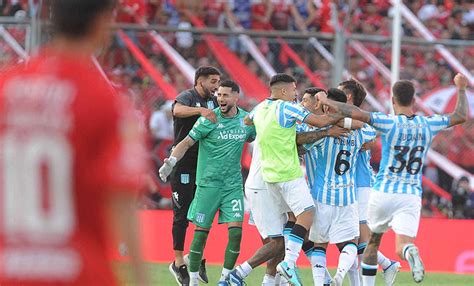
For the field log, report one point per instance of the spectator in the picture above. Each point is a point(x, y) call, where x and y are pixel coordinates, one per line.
point(161, 123)
point(459, 202)
point(239, 12)
point(262, 11)
point(304, 15)
point(13, 6)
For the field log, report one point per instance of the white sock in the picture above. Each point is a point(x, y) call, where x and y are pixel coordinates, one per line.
point(369, 273)
point(327, 277)
point(293, 249)
point(244, 269)
point(346, 259)
point(277, 278)
point(194, 278)
point(318, 266)
point(353, 273)
point(283, 282)
point(268, 280)
point(383, 261)
point(224, 274)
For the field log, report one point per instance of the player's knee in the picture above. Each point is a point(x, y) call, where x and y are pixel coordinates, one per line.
point(278, 244)
point(305, 219)
point(235, 233)
point(180, 222)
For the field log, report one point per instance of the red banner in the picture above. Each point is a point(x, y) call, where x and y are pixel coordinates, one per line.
point(445, 245)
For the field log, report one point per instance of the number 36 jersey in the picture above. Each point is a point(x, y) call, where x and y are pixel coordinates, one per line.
point(330, 166)
point(405, 143)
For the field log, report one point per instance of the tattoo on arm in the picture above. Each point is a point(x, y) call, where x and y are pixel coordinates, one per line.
point(310, 137)
point(460, 113)
point(348, 110)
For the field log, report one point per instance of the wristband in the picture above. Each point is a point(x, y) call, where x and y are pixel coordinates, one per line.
point(172, 160)
point(347, 123)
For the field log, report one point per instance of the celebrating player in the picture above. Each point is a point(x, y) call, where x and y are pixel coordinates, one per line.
point(267, 217)
point(275, 121)
point(332, 162)
point(188, 107)
point(406, 138)
point(71, 158)
point(364, 182)
point(218, 178)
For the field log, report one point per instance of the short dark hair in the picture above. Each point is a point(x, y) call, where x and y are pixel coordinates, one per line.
point(205, 71)
point(232, 84)
point(337, 95)
point(281, 77)
point(356, 89)
point(74, 18)
point(313, 90)
point(403, 92)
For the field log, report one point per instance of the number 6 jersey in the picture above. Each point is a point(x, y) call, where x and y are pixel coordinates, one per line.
point(405, 142)
point(330, 166)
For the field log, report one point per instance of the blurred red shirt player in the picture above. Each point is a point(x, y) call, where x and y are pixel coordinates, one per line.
point(69, 158)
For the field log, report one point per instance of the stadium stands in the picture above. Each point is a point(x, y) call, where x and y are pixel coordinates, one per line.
point(453, 19)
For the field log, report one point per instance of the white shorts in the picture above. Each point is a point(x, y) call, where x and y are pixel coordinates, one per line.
point(265, 215)
point(363, 195)
point(334, 224)
point(401, 212)
point(293, 196)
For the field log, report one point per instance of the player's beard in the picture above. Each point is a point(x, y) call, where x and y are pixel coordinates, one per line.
point(227, 109)
point(207, 92)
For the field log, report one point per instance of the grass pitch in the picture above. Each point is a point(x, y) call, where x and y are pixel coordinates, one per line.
point(160, 276)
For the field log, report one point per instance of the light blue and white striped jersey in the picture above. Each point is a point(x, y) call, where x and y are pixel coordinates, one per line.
point(330, 166)
point(364, 173)
point(308, 157)
point(288, 113)
point(405, 143)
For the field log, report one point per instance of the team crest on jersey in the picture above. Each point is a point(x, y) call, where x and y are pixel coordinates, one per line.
point(220, 126)
point(200, 217)
point(184, 179)
point(198, 104)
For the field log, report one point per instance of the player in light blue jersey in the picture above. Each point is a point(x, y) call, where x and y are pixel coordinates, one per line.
point(332, 161)
point(406, 138)
point(365, 179)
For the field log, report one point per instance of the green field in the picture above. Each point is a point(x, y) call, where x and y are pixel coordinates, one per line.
point(160, 275)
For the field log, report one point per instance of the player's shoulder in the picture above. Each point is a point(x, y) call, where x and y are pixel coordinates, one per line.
point(367, 128)
point(186, 97)
point(242, 112)
point(188, 93)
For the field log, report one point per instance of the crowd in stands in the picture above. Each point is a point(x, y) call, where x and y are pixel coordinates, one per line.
point(449, 19)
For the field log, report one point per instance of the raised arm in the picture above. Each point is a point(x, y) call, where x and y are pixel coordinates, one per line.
point(176, 155)
point(323, 120)
point(347, 110)
point(460, 114)
point(299, 21)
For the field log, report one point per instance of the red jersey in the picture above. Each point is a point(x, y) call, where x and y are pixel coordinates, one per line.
point(67, 144)
point(137, 6)
point(213, 10)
